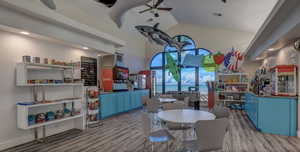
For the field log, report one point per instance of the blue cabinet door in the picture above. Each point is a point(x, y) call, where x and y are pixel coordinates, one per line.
point(274, 116)
point(107, 107)
point(120, 102)
point(127, 105)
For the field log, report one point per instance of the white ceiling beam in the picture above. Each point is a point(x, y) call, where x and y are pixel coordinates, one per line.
point(284, 18)
point(51, 24)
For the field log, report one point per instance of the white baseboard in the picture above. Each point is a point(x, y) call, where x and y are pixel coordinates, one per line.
point(30, 136)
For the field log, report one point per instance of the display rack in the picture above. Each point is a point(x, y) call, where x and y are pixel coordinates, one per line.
point(284, 80)
point(93, 107)
point(232, 87)
point(41, 77)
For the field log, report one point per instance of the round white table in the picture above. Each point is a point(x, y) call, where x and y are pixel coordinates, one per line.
point(166, 100)
point(185, 116)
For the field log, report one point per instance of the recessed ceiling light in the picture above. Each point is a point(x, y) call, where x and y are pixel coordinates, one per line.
point(271, 49)
point(85, 48)
point(25, 33)
point(217, 14)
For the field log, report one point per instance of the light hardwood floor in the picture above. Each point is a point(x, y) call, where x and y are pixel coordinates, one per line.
point(122, 133)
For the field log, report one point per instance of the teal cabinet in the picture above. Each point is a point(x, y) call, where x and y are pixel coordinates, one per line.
point(115, 103)
point(109, 103)
point(274, 115)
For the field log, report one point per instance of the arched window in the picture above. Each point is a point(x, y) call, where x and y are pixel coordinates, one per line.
point(190, 77)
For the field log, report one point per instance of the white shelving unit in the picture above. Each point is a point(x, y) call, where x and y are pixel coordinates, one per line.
point(231, 90)
point(24, 110)
point(26, 72)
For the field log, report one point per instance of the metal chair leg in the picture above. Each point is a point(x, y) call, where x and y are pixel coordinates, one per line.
point(167, 146)
point(152, 146)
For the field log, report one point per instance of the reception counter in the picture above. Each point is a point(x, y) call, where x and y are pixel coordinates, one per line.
point(113, 103)
point(272, 114)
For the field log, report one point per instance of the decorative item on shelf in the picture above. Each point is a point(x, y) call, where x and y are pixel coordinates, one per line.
point(31, 120)
point(36, 60)
point(59, 114)
point(50, 116)
point(52, 61)
point(40, 118)
point(93, 117)
point(93, 93)
point(26, 59)
point(58, 81)
point(67, 80)
point(46, 61)
point(75, 112)
point(67, 112)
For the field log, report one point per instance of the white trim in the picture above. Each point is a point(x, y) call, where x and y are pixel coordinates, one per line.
point(298, 133)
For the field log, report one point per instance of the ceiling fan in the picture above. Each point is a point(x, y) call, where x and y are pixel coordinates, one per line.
point(49, 3)
point(155, 7)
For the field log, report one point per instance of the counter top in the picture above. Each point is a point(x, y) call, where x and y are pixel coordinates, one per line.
point(290, 97)
point(123, 91)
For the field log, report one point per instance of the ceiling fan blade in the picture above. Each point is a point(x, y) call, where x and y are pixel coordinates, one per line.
point(146, 10)
point(158, 3)
point(165, 9)
point(49, 3)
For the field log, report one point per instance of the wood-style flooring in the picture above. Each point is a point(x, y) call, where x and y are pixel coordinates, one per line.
point(122, 133)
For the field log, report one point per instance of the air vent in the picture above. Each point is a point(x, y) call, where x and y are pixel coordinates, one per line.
point(108, 3)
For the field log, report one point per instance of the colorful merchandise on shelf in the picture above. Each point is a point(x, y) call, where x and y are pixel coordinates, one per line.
point(40, 118)
point(50, 116)
point(59, 114)
point(93, 93)
point(31, 120)
point(232, 88)
point(67, 112)
point(75, 111)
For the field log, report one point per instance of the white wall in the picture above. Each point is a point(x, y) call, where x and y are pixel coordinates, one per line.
point(13, 47)
point(214, 39)
point(95, 15)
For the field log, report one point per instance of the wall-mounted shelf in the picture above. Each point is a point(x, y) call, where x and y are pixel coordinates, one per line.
point(53, 122)
point(40, 77)
point(53, 103)
point(48, 65)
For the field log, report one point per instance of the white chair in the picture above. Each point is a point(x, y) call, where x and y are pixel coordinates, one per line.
point(152, 107)
point(159, 136)
point(144, 101)
point(221, 112)
point(176, 126)
point(210, 135)
point(174, 106)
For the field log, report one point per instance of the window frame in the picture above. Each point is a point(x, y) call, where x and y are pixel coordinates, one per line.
point(163, 67)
